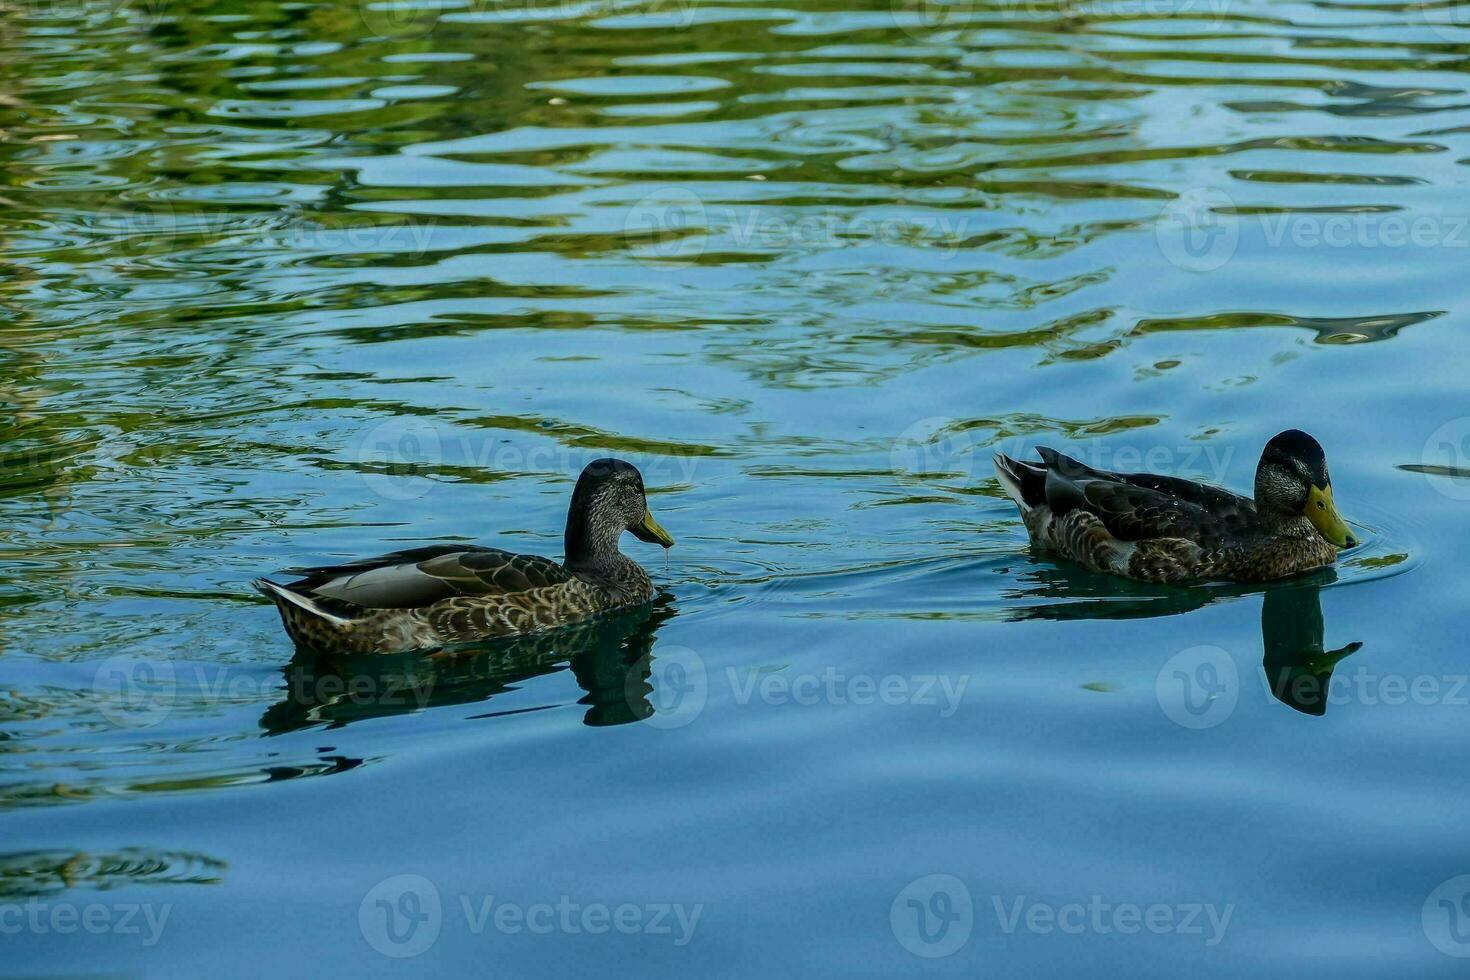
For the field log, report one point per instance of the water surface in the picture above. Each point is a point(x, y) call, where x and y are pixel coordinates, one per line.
point(288, 283)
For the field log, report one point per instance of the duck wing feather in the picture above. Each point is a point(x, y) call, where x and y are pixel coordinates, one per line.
point(421, 577)
point(1139, 506)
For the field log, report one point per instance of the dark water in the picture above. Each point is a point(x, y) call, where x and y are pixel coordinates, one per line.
point(293, 282)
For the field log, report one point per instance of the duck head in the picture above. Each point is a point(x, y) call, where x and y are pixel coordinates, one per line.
point(1292, 483)
point(609, 499)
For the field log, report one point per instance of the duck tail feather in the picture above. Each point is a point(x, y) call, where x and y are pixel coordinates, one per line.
point(1063, 464)
point(1025, 483)
point(280, 594)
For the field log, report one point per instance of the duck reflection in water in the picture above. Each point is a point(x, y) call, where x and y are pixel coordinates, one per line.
point(609, 657)
point(1297, 668)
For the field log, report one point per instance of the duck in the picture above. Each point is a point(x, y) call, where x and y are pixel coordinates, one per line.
point(443, 595)
point(1165, 529)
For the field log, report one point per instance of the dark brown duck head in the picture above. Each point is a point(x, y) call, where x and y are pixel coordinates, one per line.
point(1292, 483)
point(609, 499)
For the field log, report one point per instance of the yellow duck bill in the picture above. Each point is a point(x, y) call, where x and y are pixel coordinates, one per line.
point(651, 531)
point(1322, 512)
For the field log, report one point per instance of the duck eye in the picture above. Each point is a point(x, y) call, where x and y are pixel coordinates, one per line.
point(1321, 505)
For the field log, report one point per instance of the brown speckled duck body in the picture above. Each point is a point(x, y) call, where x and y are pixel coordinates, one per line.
point(446, 594)
point(1165, 529)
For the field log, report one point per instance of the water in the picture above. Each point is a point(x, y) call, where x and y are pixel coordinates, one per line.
point(289, 283)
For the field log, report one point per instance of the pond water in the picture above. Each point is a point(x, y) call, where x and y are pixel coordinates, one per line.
point(289, 283)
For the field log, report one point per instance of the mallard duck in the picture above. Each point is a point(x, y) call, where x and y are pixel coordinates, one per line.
point(443, 594)
point(1165, 529)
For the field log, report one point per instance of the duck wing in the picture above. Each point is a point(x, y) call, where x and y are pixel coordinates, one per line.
point(1139, 506)
point(422, 576)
